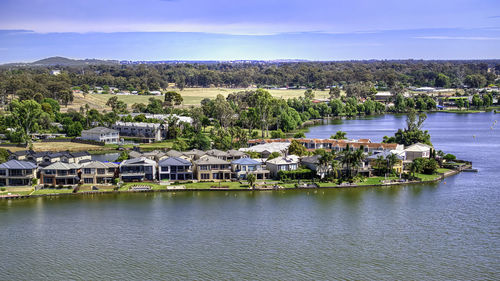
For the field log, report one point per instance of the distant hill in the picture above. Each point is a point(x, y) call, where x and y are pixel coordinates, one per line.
point(62, 61)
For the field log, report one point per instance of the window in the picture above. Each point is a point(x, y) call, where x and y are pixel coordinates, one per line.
point(88, 180)
point(205, 176)
point(3, 172)
point(87, 171)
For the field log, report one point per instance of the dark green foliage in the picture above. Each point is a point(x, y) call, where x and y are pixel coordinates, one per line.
point(301, 173)
point(297, 148)
point(449, 157)
point(200, 141)
point(4, 155)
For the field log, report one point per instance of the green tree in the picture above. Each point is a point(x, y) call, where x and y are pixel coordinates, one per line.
point(296, 148)
point(200, 141)
point(273, 155)
point(173, 98)
point(334, 93)
point(442, 81)
point(339, 135)
point(475, 80)
point(25, 116)
point(74, 129)
point(309, 94)
point(251, 178)
point(299, 135)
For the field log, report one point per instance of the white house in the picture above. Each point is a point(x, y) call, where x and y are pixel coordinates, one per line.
point(102, 134)
point(418, 150)
point(285, 163)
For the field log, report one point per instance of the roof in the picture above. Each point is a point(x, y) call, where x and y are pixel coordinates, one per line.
point(99, 130)
point(138, 124)
point(246, 161)
point(174, 153)
point(80, 153)
point(418, 147)
point(290, 159)
point(217, 153)
point(134, 154)
point(99, 164)
point(62, 166)
point(311, 159)
point(209, 160)
point(270, 147)
point(138, 161)
point(195, 152)
point(23, 152)
point(233, 153)
point(16, 164)
point(175, 161)
point(384, 155)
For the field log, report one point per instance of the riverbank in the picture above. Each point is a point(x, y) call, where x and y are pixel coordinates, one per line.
point(225, 186)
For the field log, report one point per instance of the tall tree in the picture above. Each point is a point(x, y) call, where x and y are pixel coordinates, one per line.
point(25, 116)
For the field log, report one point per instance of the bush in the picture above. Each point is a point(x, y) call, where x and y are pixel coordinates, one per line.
point(3, 188)
point(299, 135)
point(449, 157)
point(34, 181)
point(278, 134)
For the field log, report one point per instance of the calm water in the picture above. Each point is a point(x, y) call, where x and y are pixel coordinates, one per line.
point(105, 157)
point(445, 231)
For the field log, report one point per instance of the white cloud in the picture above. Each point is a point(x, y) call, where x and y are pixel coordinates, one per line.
point(474, 38)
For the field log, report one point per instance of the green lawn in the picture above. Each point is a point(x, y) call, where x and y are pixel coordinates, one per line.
point(460, 111)
point(52, 191)
point(157, 145)
point(208, 185)
point(21, 190)
point(443, 170)
point(425, 177)
point(375, 180)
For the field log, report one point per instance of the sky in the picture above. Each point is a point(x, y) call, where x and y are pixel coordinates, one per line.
point(249, 29)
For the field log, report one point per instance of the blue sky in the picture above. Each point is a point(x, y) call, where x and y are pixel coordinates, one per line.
point(252, 29)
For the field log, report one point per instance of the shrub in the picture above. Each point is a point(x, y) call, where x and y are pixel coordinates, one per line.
point(3, 188)
point(449, 157)
point(299, 135)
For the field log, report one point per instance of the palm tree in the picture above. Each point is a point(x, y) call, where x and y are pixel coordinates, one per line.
point(335, 168)
point(379, 162)
point(391, 161)
point(357, 157)
point(346, 159)
point(251, 178)
point(324, 162)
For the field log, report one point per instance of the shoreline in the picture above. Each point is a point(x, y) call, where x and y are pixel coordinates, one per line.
point(439, 178)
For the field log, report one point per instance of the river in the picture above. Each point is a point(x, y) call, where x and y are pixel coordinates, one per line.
point(443, 231)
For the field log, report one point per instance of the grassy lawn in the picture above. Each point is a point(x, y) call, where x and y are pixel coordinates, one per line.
point(208, 185)
point(192, 96)
point(375, 180)
point(425, 177)
point(102, 188)
point(157, 145)
point(443, 170)
point(53, 191)
point(460, 111)
point(21, 190)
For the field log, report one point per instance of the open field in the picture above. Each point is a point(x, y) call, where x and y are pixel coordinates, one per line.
point(192, 96)
point(58, 146)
